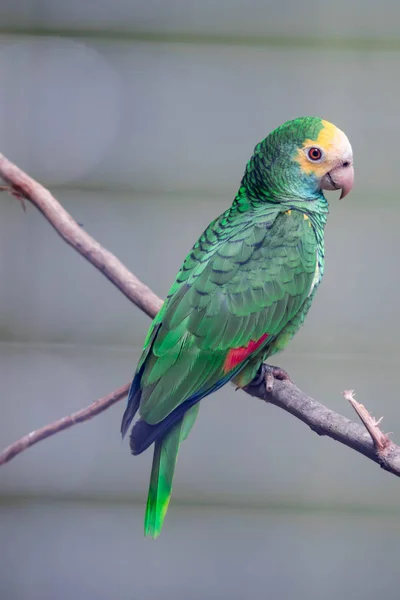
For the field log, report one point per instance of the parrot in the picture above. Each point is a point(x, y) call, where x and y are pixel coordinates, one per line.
point(240, 295)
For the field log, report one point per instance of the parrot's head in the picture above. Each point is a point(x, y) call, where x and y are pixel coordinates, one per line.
point(325, 157)
point(301, 158)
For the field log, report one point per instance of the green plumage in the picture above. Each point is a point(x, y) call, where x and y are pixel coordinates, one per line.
point(162, 471)
point(254, 271)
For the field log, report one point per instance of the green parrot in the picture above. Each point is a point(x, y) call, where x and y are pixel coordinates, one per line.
point(241, 294)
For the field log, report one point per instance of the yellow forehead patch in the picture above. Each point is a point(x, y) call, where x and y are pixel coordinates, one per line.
point(330, 139)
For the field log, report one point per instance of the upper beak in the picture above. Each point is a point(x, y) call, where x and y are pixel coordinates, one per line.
point(341, 177)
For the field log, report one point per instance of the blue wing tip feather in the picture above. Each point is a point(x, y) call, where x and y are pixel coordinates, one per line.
point(132, 405)
point(143, 434)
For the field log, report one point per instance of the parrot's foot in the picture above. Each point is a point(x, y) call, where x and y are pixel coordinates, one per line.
point(267, 374)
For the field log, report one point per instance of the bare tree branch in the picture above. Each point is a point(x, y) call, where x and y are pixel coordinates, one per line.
point(25, 188)
point(375, 445)
point(48, 430)
point(325, 421)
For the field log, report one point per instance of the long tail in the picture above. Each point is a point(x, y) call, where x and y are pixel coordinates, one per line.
point(162, 472)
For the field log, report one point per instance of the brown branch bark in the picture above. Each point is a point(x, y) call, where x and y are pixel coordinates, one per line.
point(285, 394)
point(325, 421)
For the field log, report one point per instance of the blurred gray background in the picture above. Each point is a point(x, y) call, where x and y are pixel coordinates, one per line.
point(140, 117)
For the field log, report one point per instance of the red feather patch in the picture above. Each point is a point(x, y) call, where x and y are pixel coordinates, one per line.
point(238, 355)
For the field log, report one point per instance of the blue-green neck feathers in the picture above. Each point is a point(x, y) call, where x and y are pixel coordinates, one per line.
point(273, 174)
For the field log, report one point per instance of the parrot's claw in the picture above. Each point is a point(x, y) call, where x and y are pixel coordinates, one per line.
point(267, 374)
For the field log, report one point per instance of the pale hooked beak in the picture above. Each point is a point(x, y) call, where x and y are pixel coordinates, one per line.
point(339, 178)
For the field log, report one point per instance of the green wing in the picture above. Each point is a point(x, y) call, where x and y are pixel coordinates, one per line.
point(244, 278)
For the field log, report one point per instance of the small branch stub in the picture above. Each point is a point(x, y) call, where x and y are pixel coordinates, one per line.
point(381, 440)
point(13, 192)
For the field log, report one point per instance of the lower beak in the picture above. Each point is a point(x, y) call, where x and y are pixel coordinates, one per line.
point(340, 178)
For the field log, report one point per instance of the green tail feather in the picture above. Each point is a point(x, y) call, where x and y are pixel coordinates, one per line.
point(162, 472)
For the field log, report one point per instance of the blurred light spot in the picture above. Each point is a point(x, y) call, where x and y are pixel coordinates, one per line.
point(59, 107)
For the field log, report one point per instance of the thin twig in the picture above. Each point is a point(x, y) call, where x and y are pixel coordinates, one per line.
point(48, 430)
point(285, 394)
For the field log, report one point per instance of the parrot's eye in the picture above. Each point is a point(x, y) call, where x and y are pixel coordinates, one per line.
point(314, 154)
